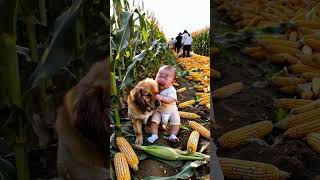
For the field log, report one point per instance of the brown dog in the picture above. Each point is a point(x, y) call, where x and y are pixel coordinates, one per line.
point(82, 128)
point(141, 103)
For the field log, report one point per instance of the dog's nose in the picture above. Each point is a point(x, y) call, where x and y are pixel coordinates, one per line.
point(157, 103)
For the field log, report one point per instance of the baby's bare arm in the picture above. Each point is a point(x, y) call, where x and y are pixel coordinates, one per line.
point(166, 99)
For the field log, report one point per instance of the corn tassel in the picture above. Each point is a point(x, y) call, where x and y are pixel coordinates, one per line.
point(202, 130)
point(239, 136)
point(298, 119)
point(192, 143)
point(127, 150)
point(186, 104)
point(313, 140)
point(188, 115)
point(303, 129)
point(121, 167)
point(241, 169)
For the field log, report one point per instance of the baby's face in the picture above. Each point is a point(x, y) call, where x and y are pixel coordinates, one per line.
point(165, 78)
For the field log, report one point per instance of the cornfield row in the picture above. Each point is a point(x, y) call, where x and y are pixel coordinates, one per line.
point(296, 47)
point(201, 42)
point(137, 44)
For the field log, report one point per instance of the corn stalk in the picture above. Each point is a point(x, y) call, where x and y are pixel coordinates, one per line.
point(10, 94)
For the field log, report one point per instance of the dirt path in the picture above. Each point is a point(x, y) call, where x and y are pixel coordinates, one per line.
point(255, 104)
point(151, 167)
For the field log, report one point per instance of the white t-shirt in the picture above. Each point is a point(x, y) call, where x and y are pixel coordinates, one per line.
point(169, 92)
point(186, 39)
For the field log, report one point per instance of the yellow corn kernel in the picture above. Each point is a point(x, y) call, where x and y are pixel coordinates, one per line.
point(192, 143)
point(127, 150)
point(121, 167)
point(186, 104)
point(198, 127)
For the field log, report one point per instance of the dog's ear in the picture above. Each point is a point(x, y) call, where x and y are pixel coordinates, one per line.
point(91, 117)
point(137, 97)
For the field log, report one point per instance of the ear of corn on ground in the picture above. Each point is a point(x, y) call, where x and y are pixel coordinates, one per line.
point(127, 150)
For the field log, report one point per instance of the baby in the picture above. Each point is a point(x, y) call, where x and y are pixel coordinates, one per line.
point(168, 109)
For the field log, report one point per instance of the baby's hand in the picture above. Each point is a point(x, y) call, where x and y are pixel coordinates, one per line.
point(159, 97)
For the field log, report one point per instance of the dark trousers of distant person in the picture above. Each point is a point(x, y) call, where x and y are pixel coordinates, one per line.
point(178, 46)
point(186, 48)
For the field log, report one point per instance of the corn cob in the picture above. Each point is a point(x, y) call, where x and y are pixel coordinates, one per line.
point(241, 169)
point(308, 24)
point(239, 136)
point(313, 43)
point(171, 154)
point(181, 90)
point(121, 167)
point(208, 106)
point(301, 68)
point(188, 115)
point(175, 84)
point(287, 81)
point(316, 86)
point(228, 90)
point(275, 48)
point(310, 75)
point(279, 42)
point(202, 94)
point(288, 90)
point(205, 101)
point(306, 95)
point(313, 140)
point(303, 129)
point(186, 104)
point(192, 143)
point(281, 58)
point(202, 130)
point(286, 103)
point(307, 60)
point(298, 119)
point(127, 150)
point(305, 108)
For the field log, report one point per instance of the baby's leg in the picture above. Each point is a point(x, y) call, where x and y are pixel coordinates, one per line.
point(156, 118)
point(175, 126)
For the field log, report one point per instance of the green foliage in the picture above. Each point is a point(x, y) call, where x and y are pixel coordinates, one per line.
point(201, 42)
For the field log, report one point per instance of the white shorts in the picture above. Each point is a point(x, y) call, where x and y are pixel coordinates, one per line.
point(171, 115)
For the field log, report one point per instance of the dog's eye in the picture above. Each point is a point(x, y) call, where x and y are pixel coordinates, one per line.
point(149, 95)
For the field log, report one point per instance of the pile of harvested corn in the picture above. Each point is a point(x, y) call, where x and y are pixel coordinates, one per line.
point(250, 13)
point(298, 50)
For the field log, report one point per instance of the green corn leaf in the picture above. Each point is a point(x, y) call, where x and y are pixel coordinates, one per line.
point(129, 72)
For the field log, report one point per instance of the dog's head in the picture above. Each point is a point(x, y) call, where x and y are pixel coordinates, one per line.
point(144, 94)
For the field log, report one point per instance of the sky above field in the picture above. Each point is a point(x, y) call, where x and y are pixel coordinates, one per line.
point(174, 16)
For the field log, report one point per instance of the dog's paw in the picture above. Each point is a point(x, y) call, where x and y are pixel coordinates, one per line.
point(139, 141)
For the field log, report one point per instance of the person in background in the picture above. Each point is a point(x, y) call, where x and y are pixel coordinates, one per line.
point(178, 42)
point(186, 41)
point(172, 43)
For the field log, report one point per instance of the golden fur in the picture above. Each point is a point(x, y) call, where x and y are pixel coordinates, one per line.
point(82, 128)
point(141, 103)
